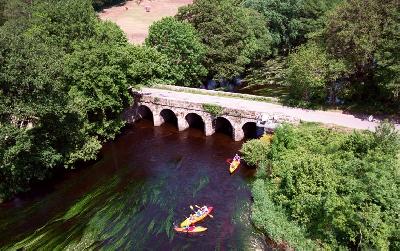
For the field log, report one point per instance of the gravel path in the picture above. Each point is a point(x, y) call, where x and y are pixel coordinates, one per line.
point(325, 117)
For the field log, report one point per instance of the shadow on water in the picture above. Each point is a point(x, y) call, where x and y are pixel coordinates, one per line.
point(130, 199)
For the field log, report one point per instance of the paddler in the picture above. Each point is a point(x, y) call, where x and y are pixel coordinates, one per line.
point(198, 213)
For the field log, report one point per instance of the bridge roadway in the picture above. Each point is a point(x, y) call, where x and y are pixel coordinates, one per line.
point(238, 112)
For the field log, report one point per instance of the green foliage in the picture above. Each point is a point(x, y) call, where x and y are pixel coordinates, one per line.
point(147, 66)
point(310, 71)
point(214, 110)
point(353, 31)
point(388, 56)
point(12, 9)
point(64, 78)
point(289, 21)
point(97, 92)
point(63, 22)
point(270, 218)
point(342, 187)
point(255, 151)
point(31, 94)
point(180, 43)
point(234, 36)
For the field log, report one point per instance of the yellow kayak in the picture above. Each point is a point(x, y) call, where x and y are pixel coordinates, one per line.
point(191, 229)
point(233, 166)
point(196, 218)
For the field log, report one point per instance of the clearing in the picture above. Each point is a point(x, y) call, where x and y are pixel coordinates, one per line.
point(135, 21)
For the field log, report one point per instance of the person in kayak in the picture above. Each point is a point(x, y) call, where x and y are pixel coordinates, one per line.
point(189, 228)
point(204, 209)
point(237, 157)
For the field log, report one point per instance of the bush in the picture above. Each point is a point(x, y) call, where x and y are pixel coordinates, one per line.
point(270, 218)
point(343, 188)
point(179, 42)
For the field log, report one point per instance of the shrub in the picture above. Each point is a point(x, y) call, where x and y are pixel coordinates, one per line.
point(343, 188)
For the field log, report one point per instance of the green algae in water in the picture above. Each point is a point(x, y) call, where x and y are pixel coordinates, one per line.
point(131, 202)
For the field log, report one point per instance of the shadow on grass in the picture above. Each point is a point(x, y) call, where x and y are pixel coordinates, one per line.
point(362, 110)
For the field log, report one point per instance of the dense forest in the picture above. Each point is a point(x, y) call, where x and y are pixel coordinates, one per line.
point(333, 51)
point(64, 79)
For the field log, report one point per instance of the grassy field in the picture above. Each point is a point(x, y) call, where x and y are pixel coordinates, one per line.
point(135, 21)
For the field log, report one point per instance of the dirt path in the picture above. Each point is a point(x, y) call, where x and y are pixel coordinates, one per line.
point(325, 117)
point(135, 21)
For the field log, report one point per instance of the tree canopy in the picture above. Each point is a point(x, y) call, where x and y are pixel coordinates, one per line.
point(64, 78)
point(233, 35)
point(290, 21)
point(180, 43)
point(361, 35)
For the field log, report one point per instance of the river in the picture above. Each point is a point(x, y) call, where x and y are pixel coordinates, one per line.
point(144, 181)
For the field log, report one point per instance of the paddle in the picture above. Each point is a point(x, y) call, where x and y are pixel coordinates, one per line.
point(228, 161)
point(191, 207)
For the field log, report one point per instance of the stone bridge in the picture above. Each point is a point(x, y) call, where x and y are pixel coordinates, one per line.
point(240, 117)
point(184, 113)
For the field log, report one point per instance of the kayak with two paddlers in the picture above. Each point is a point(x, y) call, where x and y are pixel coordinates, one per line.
point(199, 215)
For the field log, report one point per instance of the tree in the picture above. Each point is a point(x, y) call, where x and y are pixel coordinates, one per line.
point(312, 72)
point(180, 43)
point(234, 36)
point(32, 101)
point(388, 55)
point(65, 22)
point(289, 21)
point(148, 66)
point(353, 31)
point(96, 73)
point(64, 78)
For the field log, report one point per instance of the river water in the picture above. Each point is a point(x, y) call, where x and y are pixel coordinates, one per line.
point(145, 181)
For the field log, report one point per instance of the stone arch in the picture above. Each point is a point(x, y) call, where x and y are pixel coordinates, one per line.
point(144, 112)
point(194, 120)
point(168, 116)
point(250, 130)
point(223, 125)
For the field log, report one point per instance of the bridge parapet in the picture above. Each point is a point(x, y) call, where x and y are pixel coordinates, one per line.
point(237, 117)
